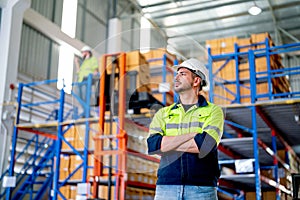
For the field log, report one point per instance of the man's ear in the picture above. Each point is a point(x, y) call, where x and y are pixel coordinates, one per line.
point(197, 81)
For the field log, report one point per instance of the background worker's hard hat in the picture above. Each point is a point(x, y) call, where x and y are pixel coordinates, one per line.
point(196, 67)
point(86, 48)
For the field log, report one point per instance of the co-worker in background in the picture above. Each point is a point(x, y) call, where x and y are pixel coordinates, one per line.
point(89, 65)
point(186, 135)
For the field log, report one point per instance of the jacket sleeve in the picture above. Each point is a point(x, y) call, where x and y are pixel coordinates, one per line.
point(214, 124)
point(154, 143)
point(156, 132)
point(209, 139)
point(205, 144)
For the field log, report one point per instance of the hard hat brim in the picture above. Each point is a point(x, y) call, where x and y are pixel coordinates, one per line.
point(197, 72)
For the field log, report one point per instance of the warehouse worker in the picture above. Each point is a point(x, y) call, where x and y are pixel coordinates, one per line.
point(88, 66)
point(186, 135)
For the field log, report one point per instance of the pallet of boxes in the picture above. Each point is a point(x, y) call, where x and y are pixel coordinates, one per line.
point(156, 59)
point(228, 71)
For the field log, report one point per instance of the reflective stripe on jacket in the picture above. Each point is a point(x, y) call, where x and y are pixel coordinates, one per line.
point(177, 168)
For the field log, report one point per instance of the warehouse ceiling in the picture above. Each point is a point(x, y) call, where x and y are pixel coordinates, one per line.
point(187, 24)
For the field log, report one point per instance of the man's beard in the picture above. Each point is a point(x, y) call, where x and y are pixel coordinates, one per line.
point(182, 89)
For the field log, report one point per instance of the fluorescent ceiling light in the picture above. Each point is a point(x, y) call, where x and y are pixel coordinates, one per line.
point(254, 10)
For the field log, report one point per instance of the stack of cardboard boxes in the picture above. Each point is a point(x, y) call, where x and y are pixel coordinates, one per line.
point(155, 59)
point(227, 72)
point(232, 71)
point(139, 169)
point(149, 68)
point(135, 62)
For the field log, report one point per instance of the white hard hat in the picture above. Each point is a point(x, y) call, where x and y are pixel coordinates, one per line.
point(196, 67)
point(86, 48)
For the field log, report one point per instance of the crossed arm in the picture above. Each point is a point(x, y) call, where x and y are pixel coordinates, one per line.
point(184, 143)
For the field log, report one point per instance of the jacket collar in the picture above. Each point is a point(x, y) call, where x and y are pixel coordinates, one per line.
point(201, 102)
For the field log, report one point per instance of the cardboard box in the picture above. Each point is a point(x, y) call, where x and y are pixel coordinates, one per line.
point(216, 67)
point(228, 42)
point(103, 192)
point(213, 51)
point(135, 58)
point(63, 174)
point(269, 195)
point(250, 196)
point(260, 38)
point(77, 176)
point(155, 57)
point(244, 74)
point(213, 44)
point(73, 192)
point(227, 49)
point(64, 162)
point(245, 93)
point(65, 190)
point(229, 71)
point(69, 136)
point(243, 41)
point(75, 161)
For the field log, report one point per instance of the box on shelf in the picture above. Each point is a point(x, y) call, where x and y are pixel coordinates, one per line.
point(216, 51)
point(221, 45)
point(63, 174)
point(228, 42)
point(73, 192)
point(245, 93)
point(244, 72)
point(134, 58)
point(65, 191)
point(155, 57)
point(228, 71)
point(64, 162)
point(268, 195)
point(243, 41)
point(259, 38)
point(77, 176)
point(70, 137)
point(244, 44)
point(135, 62)
point(213, 44)
point(103, 192)
point(136, 193)
point(227, 49)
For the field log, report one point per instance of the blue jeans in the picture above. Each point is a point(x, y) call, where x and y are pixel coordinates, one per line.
point(185, 192)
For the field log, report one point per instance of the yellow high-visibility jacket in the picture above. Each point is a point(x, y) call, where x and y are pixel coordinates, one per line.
point(87, 67)
point(178, 168)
